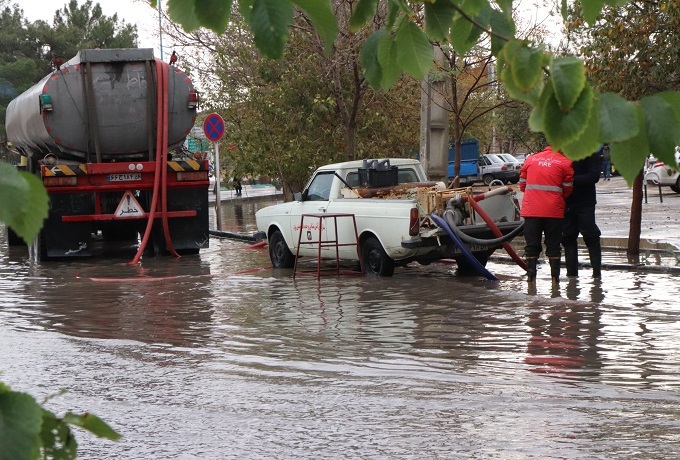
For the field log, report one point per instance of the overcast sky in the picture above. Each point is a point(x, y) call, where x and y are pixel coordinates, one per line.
point(131, 11)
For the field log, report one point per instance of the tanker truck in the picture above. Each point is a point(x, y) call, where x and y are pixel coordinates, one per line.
point(104, 133)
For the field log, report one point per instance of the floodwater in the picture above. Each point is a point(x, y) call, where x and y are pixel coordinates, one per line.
point(217, 356)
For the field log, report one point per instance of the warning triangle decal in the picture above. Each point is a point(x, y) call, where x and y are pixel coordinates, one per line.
point(129, 207)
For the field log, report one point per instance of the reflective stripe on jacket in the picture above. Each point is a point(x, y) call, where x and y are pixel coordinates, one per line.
point(547, 179)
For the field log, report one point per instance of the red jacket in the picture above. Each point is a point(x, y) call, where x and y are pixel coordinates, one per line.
point(547, 179)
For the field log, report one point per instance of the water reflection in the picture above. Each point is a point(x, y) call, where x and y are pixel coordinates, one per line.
point(242, 361)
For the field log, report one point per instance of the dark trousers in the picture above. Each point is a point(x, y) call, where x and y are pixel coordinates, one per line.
point(535, 228)
point(580, 221)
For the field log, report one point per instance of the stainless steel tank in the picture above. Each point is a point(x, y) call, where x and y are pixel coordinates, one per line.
point(69, 116)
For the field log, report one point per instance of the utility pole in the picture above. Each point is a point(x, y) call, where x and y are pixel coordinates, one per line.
point(160, 27)
point(434, 123)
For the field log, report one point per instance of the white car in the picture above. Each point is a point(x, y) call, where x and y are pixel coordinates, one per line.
point(657, 172)
point(493, 167)
point(511, 159)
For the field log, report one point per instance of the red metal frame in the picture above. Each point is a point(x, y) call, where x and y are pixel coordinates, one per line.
point(96, 181)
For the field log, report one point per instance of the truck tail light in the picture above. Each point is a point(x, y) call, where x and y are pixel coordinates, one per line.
point(186, 176)
point(69, 181)
point(193, 99)
point(414, 222)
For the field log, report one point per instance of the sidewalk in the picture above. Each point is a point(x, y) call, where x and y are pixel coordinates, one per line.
point(660, 225)
point(248, 192)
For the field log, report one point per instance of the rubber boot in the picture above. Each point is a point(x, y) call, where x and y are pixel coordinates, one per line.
point(531, 269)
point(571, 259)
point(595, 253)
point(554, 269)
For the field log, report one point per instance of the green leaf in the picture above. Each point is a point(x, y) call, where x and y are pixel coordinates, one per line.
point(616, 2)
point(506, 6)
point(414, 50)
point(438, 18)
point(502, 26)
point(321, 14)
point(24, 203)
point(393, 9)
point(568, 76)
point(663, 127)
point(618, 118)
point(387, 57)
point(269, 23)
point(93, 424)
point(461, 30)
point(591, 9)
point(20, 421)
point(673, 98)
point(563, 128)
point(245, 7)
point(364, 10)
point(538, 113)
point(182, 12)
point(588, 142)
point(57, 439)
point(369, 58)
point(629, 156)
point(464, 34)
point(530, 97)
point(214, 14)
point(525, 64)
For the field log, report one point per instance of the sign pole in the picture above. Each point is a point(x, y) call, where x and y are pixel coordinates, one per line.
point(213, 127)
point(218, 193)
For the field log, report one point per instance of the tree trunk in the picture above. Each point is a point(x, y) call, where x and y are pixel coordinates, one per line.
point(635, 220)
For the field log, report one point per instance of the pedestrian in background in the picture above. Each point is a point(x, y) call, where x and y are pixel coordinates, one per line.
point(606, 162)
point(579, 216)
point(546, 180)
point(237, 185)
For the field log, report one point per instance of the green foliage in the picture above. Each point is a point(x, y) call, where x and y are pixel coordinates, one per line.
point(566, 109)
point(631, 57)
point(23, 202)
point(28, 431)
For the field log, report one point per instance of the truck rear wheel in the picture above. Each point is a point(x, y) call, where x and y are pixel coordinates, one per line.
point(279, 253)
point(375, 259)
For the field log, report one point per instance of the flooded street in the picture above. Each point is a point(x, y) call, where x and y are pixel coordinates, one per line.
point(217, 356)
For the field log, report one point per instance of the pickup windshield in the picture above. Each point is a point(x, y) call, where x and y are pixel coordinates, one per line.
point(320, 188)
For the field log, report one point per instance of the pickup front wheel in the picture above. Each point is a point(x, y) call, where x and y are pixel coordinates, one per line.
point(376, 261)
point(279, 253)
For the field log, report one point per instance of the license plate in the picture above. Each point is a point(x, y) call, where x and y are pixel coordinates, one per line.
point(124, 177)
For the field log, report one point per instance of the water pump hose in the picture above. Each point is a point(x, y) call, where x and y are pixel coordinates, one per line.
point(476, 264)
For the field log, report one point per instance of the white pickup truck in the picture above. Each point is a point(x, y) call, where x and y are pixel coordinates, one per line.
point(391, 202)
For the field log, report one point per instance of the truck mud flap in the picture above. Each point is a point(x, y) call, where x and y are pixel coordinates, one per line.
point(66, 239)
point(189, 234)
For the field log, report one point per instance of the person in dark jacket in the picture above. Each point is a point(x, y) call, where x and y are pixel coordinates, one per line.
point(579, 216)
point(546, 180)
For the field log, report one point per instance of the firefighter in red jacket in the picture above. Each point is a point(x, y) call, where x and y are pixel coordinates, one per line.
point(546, 179)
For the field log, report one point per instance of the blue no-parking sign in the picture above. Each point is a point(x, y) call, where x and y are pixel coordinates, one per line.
point(213, 127)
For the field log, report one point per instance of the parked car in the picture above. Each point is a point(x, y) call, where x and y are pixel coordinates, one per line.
point(657, 172)
point(492, 167)
point(521, 157)
point(511, 159)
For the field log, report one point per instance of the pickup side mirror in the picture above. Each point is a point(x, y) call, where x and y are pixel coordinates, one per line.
point(297, 196)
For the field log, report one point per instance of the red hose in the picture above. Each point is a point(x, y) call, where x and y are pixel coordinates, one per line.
point(497, 233)
point(161, 173)
point(165, 70)
point(157, 172)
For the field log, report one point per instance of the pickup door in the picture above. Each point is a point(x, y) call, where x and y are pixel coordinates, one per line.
point(387, 219)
